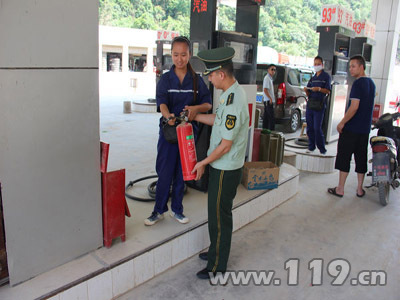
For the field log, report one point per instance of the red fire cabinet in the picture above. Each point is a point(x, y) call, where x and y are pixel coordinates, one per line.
point(114, 203)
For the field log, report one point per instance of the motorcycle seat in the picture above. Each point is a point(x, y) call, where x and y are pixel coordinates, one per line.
point(382, 140)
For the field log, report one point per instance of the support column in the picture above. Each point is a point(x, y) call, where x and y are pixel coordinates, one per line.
point(125, 58)
point(386, 15)
point(150, 54)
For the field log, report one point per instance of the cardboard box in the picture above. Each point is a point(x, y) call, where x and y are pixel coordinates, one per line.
point(260, 175)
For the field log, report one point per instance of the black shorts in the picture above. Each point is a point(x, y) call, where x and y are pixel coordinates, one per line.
point(352, 143)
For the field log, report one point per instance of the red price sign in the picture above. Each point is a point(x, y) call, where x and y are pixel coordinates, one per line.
point(358, 27)
point(336, 15)
point(166, 35)
point(199, 6)
point(364, 28)
point(340, 16)
point(327, 13)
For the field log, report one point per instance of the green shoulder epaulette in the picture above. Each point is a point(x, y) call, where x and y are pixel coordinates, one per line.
point(230, 98)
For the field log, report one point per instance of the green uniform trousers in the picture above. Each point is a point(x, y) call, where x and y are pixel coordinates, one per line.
point(222, 188)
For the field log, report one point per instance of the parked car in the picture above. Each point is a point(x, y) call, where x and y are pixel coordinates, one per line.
point(289, 82)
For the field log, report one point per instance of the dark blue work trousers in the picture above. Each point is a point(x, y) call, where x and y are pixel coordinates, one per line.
point(169, 171)
point(314, 129)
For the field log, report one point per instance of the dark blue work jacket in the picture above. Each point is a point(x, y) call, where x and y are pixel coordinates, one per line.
point(176, 95)
point(323, 81)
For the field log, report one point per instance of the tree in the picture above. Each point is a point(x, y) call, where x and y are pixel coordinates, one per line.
point(288, 26)
point(116, 13)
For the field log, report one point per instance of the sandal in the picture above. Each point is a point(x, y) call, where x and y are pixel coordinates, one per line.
point(332, 191)
point(362, 195)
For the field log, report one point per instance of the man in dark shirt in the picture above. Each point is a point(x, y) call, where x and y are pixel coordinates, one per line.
point(354, 128)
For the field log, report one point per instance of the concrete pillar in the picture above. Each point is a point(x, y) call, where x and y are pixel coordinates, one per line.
point(49, 133)
point(150, 59)
point(386, 15)
point(125, 58)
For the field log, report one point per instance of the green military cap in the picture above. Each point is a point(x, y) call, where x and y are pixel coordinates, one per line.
point(215, 59)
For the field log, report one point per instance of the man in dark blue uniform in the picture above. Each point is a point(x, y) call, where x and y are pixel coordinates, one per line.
point(317, 88)
point(354, 128)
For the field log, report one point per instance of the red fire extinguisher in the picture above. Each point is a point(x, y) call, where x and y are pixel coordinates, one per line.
point(187, 149)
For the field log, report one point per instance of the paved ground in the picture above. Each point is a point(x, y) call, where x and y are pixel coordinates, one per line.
point(311, 225)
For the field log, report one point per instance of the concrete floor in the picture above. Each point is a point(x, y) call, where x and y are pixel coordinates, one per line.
point(311, 225)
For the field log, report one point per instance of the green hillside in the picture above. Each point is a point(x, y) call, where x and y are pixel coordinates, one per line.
point(285, 25)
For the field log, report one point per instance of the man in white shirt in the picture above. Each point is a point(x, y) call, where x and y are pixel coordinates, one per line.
point(269, 98)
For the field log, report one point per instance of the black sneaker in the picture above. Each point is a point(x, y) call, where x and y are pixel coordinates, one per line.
point(203, 274)
point(153, 219)
point(204, 256)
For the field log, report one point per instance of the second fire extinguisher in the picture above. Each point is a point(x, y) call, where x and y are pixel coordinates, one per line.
point(187, 150)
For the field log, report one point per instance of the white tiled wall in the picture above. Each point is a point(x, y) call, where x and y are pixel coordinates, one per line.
point(180, 247)
point(162, 258)
point(100, 287)
point(198, 240)
point(144, 267)
point(123, 278)
point(316, 164)
point(78, 292)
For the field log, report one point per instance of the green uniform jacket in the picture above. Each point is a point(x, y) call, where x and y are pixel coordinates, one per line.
point(231, 123)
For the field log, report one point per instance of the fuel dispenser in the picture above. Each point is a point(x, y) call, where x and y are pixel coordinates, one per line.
point(334, 47)
point(244, 39)
point(363, 46)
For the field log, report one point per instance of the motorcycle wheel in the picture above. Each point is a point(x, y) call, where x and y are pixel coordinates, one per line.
point(383, 190)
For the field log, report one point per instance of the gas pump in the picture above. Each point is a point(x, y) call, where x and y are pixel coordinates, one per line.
point(363, 46)
point(334, 47)
point(244, 39)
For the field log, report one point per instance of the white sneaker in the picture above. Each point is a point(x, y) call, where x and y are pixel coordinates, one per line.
point(310, 151)
point(323, 154)
point(179, 217)
point(153, 219)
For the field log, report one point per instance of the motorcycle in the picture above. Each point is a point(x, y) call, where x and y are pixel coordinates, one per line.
point(385, 156)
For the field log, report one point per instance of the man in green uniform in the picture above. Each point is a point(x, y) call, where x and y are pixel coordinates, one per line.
point(226, 155)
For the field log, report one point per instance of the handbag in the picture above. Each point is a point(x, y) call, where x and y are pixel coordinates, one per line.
point(315, 104)
point(169, 132)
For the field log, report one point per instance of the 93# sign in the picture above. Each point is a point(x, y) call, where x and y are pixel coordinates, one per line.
point(336, 15)
point(364, 28)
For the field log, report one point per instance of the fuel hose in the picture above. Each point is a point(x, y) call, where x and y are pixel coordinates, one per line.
point(151, 188)
point(302, 142)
